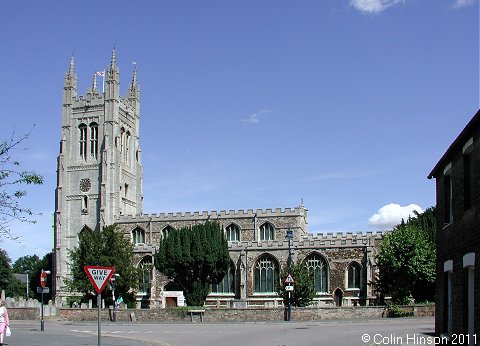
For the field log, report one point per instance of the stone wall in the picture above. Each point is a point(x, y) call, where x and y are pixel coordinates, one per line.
point(222, 314)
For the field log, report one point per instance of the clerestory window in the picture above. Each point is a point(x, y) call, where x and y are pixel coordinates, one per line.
point(267, 231)
point(138, 236)
point(233, 233)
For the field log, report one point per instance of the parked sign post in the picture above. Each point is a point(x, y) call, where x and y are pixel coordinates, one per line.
point(99, 277)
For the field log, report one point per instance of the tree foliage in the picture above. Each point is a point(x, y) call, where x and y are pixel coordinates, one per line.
point(34, 265)
point(103, 248)
point(406, 260)
point(194, 258)
point(12, 286)
point(12, 181)
point(304, 291)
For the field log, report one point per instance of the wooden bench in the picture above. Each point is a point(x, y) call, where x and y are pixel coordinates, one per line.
point(196, 312)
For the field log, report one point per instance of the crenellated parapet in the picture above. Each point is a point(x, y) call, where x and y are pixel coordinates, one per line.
point(213, 215)
point(329, 240)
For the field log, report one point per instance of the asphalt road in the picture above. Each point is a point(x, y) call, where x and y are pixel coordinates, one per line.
point(368, 332)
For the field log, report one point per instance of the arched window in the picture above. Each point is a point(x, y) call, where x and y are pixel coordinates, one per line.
point(266, 274)
point(166, 231)
point(233, 232)
point(127, 147)
point(227, 285)
point(267, 231)
point(138, 236)
point(94, 140)
point(145, 275)
point(84, 204)
point(122, 140)
point(83, 141)
point(353, 275)
point(319, 266)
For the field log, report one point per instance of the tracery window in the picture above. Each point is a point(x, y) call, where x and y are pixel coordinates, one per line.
point(94, 140)
point(138, 236)
point(267, 231)
point(233, 232)
point(353, 275)
point(266, 274)
point(227, 285)
point(166, 231)
point(127, 147)
point(85, 205)
point(145, 275)
point(319, 266)
point(83, 141)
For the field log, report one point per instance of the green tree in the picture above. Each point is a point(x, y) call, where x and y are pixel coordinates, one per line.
point(107, 248)
point(12, 286)
point(406, 261)
point(12, 179)
point(28, 264)
point(304, 292)
point(194, 258)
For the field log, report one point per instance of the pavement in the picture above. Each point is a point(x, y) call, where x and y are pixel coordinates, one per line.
point(367, 332)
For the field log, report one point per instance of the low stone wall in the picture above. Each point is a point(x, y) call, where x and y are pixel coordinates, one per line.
point(221, 314)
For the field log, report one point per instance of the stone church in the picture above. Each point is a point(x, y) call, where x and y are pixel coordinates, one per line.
point(99, 182)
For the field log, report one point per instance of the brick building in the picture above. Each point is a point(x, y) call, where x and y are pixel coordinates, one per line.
point(457, 177)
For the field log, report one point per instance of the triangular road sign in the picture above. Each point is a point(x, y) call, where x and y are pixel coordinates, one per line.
point(99, 276)
point(289, 279)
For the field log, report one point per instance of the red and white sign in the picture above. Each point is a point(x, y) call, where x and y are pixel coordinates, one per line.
point(99, 276)
point(43, 278)
point(289, 280)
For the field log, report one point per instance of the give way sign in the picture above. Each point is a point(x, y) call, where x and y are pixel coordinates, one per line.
point(99, 276)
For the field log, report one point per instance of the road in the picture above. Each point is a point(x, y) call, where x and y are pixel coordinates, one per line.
point(367, 332)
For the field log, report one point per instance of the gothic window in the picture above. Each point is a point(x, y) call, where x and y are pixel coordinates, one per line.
point(94, 140)
point(138, 236)
point(267, 231)
point(126, 190)
point(233, 233)
point(145, 275)
point(319, 266)
point(166, 231)
point(266, 274)
point(127, 147)
point(227, 285)
point(353, 275)
point(85, 205)
point(122, 140)
point(83, 141)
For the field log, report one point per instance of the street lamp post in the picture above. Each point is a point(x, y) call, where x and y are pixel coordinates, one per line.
point(43, 279)
point(112, 285)
point(289, 236)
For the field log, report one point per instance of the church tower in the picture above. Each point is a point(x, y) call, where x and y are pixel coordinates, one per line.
point(99, 170)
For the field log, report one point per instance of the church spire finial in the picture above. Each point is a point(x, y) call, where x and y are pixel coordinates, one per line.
point(94, 86)
point(71, 69)
point(134, 78)
point(114, 57)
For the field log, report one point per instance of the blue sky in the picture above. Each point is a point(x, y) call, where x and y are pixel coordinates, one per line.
point(346, 104)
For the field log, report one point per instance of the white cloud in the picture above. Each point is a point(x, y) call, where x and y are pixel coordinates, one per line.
point(375, 6)
point(255, 117)
point(463, 3)
point(392, 214)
